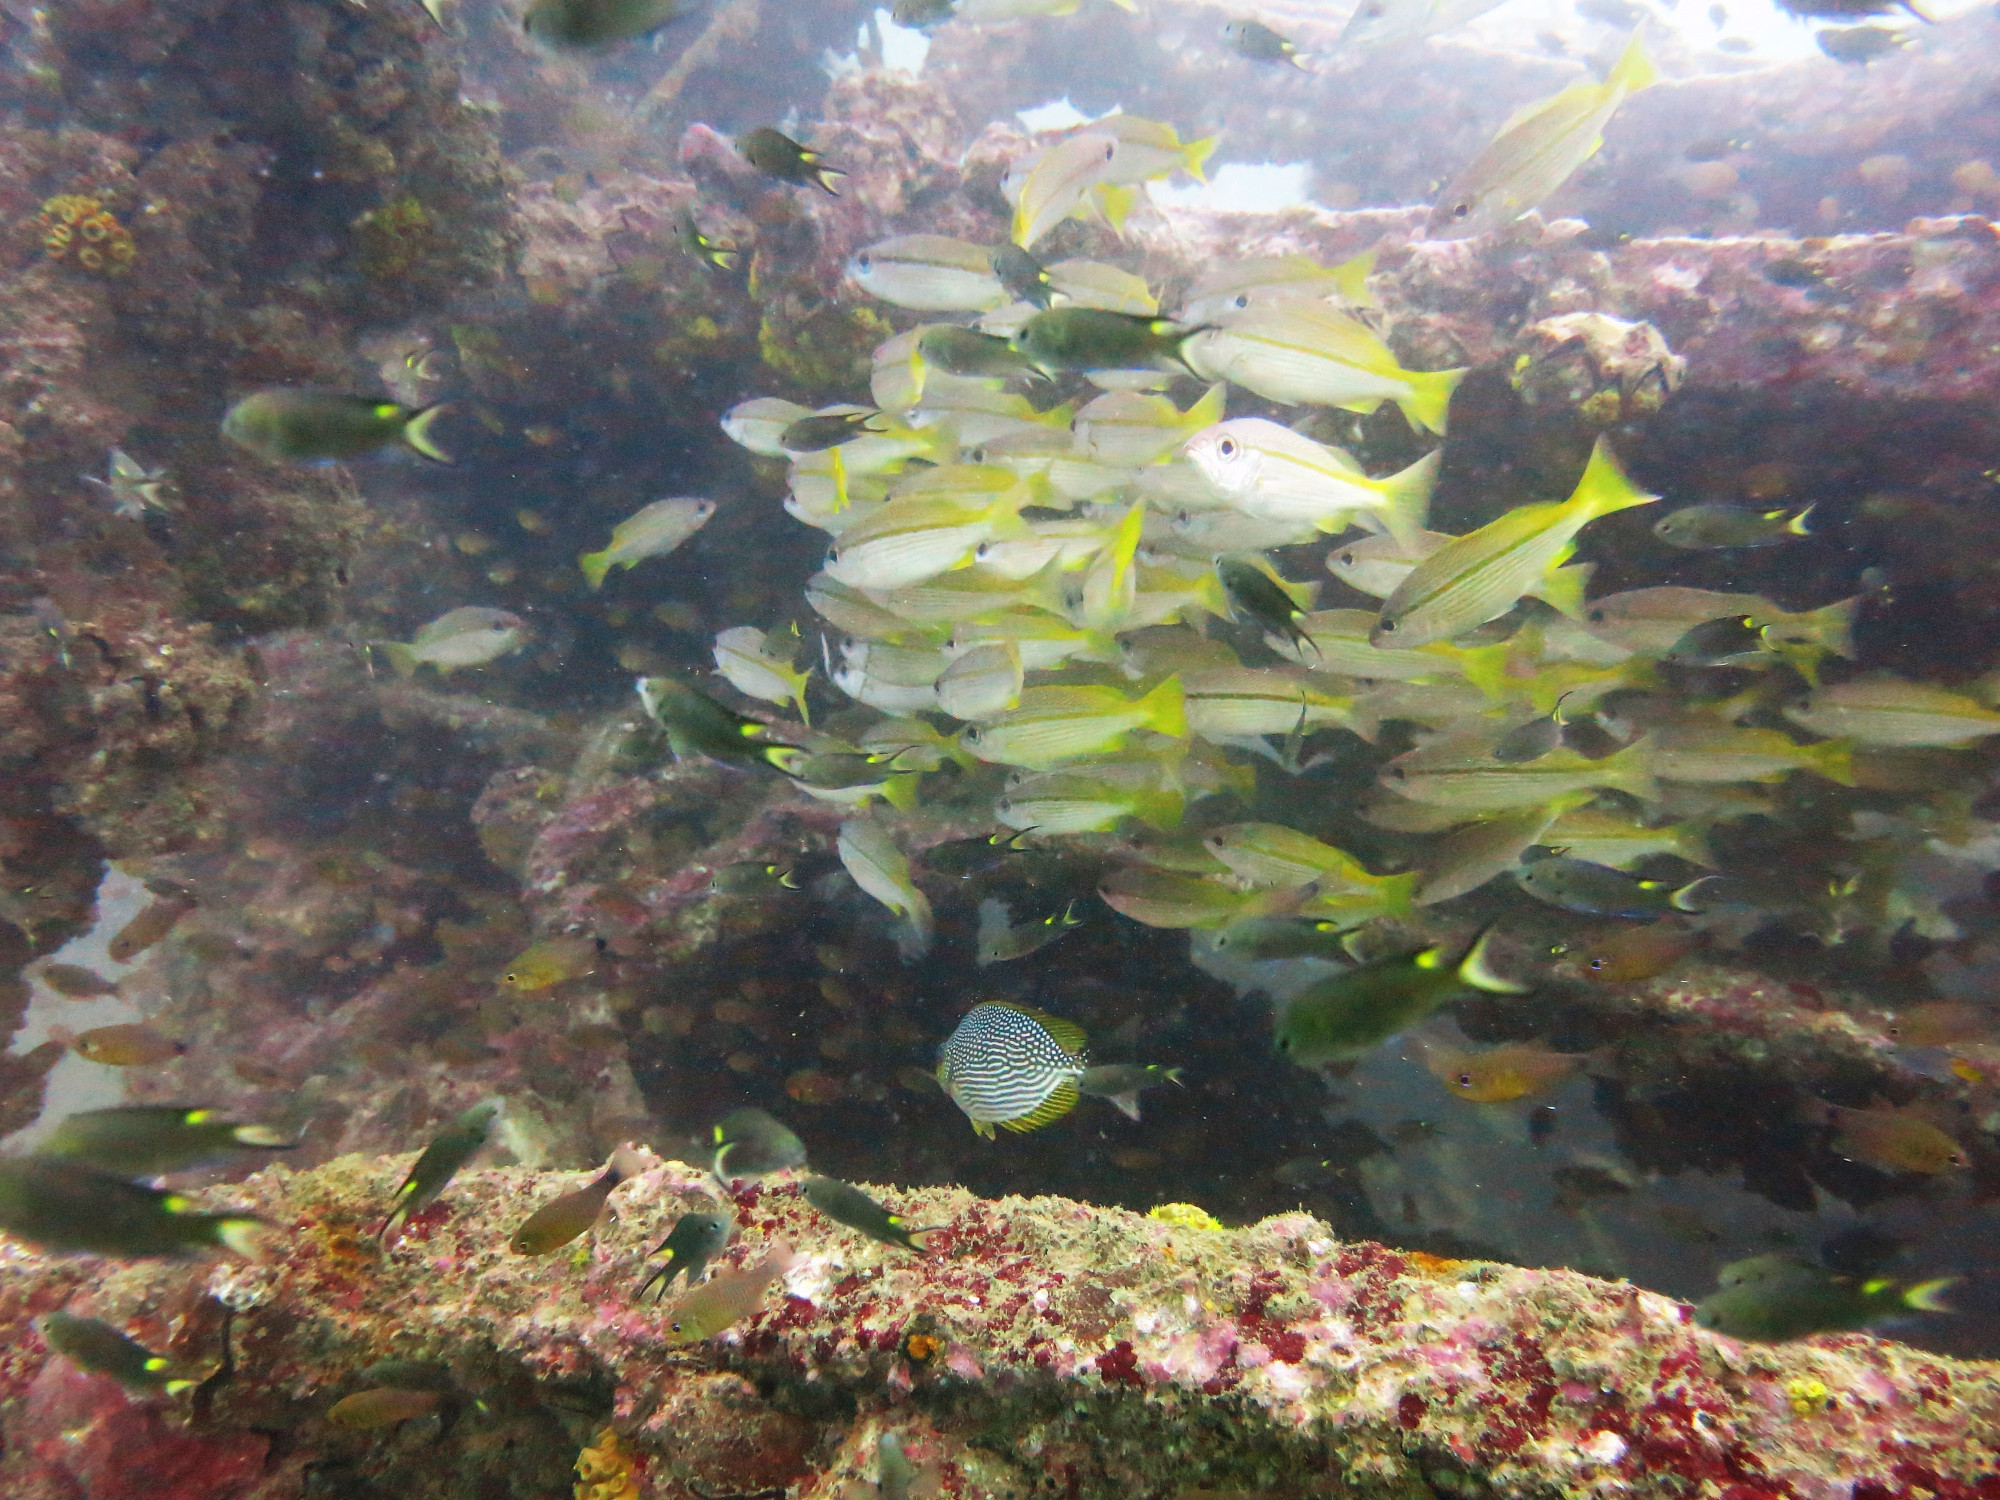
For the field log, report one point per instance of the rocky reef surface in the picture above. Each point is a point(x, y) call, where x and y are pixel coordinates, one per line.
point(1038, 1346)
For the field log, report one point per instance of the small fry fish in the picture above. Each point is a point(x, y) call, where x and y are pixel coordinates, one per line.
point(1631, 955)
point(752, 877)
point(1060, 179)
point(1537, 150)
point(561, 1220)
point(1001, 941)
point(1893, 1140)
point(1483, 574)
point(778, 155)
point(152, 924)
point(134, 489)
point(1121, 1083)
point(695, 1239)
point(126, 1044)
point(144, 1140)
point(1695, 528)
point(75, 982)
point(1350, 1014)
point(382, 1406)
point(1259, 43)
point(96, 1346)
point(470, 636)
point(1495, 1075)
point(651, 531)
point(1012, 1066)
point(846, 1204)
point(750, 1143)
point(63, 1206)
point(286, 424)
point(728, 1297)
point(1773, 1298)
point(698, 725)
point(551, 962)
point(439, 1162)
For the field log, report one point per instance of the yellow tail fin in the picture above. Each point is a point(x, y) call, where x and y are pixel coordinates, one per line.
point(1166, 708)
point(1351, 277)
point(417, 433)
point(1406, 497)
point(1195, 155)
point(1604, 487)
point(403, 658)
point(1429, 399)
point(1928, 1296)
point(1634, 70)
point(595, 565)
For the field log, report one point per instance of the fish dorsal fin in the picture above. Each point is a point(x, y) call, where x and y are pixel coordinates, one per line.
point(1067, 1034)
point(1059, 1103)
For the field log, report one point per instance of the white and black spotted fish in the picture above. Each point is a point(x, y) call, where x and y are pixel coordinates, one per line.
point(1012, 1066)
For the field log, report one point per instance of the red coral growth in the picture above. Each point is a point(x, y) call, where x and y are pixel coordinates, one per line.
point(1119, 1364)
point(85, 1430)
point(1410, 1410)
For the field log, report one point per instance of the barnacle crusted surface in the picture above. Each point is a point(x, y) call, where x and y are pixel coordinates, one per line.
point(1083, 1350)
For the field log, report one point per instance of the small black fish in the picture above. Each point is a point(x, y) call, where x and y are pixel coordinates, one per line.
point(1257, 600)
point(688, 1247)
point(1793, 272)
point(1021, 274)
point(595, 23)
point(449, 1150)
point(846, 1204)
point(698, 725)
point(144, 1140)
point(1259, 43)
point(1730, 641)
point(829, 430)
point(1532, 740)
point(92, 1345)
point(704, 249)
point(1595, 890)
point(922, 15)
point(776, 154)
point(1696, 528)
point(751, 1143)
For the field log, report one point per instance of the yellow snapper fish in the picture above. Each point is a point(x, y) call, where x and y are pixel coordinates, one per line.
point(759, 423)
point(912, 539)
point(1336, 640)
point(1305, 354)
point(1275, 474)
point(1459, 771)
point(1060, 179)
point(749, 661)
point(1604, 837)
point(1090, 283)
point(985, 681)
point(852, 611)
point(883, 871)
point(1481, 851)
point(991, 12)
point(470, 636)
point(1483, 574)
point(1093, 798)
point(1068, 544)
point(1893, 712)
point(1055, 724)
point(1536, 151)
point(1704, 751)
point(651, 531)
point(1263, 855)
point(1180, 901)
point(1377, 566)
point(1265, 280)
point(1243, 703)
point(928, 273)
point(1042, 641)
point(1132, 429)
point(1149, 149)
point(895, 679)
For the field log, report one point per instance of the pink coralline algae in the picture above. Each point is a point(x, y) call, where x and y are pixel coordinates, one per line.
point(1090, 1350)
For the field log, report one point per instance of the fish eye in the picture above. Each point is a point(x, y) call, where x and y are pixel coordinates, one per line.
point(1396, 773)
point(1460, 210)
point(1597, 617)
point(1596, 964)
point(1386, 626)
point(1110, 150)
point(1240, 300)
point(1226, 448)
point(1347, 559)
point(864, 260)
point(1465, 1080)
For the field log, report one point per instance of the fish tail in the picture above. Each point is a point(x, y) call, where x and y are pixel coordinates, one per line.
point(402, 657)
point(1631, 771)
point(1208, 410)
point(824, 175)
point(1634, 70)
point(1928, 1296)
point(1429, 398)
point(1194, 157)
point(900, 791)
point(1398, 891)
point(1833, 759)
point(1165, 708)
point(837, 467)
point(1475, 970)
point(246, 1236)
point(922, 926)
point(1562, 589)
point(1833, 625)
point(983, 1129)
point(262, 1135)
point(1687, 898)
point(1350, 277)
point(417, 432)
point(1019, 232)
point(1604, 487)
point(1116, 203)
point(1797, 525)
point(1406, 497)
point(1485, 667)
point(175, 1387)
point(595, 565)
